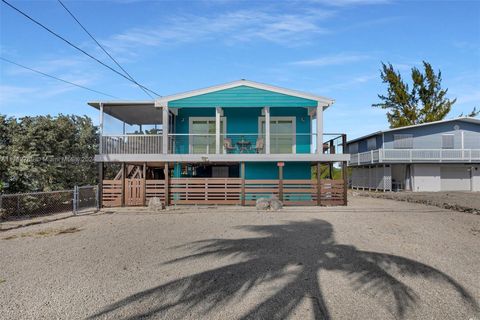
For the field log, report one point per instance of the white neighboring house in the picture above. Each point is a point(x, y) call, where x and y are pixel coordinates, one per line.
point(436, 156)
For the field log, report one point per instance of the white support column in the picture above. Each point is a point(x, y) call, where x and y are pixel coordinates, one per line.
point(165, 129)
point(319, 119)
point(101, 128)
point(218, 112)
point(267, 130)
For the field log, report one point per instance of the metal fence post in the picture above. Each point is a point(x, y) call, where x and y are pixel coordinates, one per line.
point(75, 199)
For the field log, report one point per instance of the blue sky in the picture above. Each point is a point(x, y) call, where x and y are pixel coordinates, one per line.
point(328, 47)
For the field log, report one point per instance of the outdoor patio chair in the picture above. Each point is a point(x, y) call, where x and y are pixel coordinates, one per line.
point(259, 145)
point(227, 144)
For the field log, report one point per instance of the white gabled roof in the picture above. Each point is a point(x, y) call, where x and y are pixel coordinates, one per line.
point(162, 101)
point(465, 119)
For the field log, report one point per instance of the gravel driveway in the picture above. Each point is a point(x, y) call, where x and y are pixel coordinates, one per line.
point(375, 259)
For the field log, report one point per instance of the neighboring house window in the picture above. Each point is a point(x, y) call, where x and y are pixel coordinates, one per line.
point(371, 143)
point(447, 141)
point(402, 141)
point(353, 148)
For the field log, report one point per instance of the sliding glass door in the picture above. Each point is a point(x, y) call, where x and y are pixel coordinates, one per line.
point(202, 134)
point(282, 134)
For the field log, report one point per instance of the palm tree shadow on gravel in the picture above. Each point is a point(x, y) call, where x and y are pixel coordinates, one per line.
point(293, 253)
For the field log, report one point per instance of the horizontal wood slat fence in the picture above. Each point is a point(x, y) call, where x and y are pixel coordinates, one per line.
point(233, 191)
point(112, 193)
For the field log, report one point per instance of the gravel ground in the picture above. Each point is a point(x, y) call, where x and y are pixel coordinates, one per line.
point(375, 259)
point(458, 201)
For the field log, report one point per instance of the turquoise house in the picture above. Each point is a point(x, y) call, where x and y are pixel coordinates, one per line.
point(240, 132)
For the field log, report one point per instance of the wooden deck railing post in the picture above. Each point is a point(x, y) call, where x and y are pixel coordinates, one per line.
point(242, 175)
point(144, 176)
point(280, 181)
point(100, 185)
point(345, 183)
point(167, 185)
point(124, 169)
point(319, 180)
point(344, 170)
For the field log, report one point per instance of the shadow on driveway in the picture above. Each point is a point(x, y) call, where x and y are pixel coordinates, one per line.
point(308, 247)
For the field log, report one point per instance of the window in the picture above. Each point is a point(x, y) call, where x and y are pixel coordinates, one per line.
point(402, 141)
point(282, 134)
point(447, 141)
point(353, 148)
point(371, 143)
point(202, 134)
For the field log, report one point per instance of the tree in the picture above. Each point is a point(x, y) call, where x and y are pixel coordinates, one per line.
point(425, 101)
point(473, 113)
point(45, 153)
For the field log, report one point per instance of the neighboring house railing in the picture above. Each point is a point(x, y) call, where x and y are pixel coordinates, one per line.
point(229, 143)
point(415, 155)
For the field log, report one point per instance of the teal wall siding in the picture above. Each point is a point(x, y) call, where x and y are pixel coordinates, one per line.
point(242, 96)
point(241, 120)
point(245, 121)
point(269, 170)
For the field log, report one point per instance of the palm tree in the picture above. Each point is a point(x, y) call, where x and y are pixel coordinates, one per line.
point(294, 252)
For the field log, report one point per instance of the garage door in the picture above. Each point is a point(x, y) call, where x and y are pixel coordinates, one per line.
point(455, 178)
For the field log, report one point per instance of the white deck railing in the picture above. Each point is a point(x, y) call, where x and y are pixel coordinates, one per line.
point(131, 144)
point(235, 143)
point(415, 155)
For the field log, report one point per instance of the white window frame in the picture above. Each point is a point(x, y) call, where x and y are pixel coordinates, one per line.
point(399, 141)
point(190, 133)
point(294, 129)
point(450, 135)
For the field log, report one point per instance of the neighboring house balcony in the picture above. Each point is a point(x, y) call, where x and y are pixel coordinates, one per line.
point(415, 155)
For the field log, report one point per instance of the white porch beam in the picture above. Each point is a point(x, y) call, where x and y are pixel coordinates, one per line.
point(267, 129)
point(165, 129)
point(319, 122)
point(218, 113)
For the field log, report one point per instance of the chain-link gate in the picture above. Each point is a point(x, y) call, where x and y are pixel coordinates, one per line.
point(85, 199)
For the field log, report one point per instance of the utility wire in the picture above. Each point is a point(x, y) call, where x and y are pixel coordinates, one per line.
point(53, 77)
point(73, 45)
point(101, 47)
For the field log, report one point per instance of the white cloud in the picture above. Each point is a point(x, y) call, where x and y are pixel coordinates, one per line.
point(236, 26)
point(12, 94)
point(329, 60)
point(353, 81)
point(343, 3)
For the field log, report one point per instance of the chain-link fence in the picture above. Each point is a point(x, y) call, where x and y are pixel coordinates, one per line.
point(34, 204)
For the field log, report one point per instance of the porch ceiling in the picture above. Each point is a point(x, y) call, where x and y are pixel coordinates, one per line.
point(132, 112)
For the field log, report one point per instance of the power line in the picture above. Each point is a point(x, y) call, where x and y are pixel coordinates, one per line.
point(101, 47)
point(56, 78)
point(73, 45)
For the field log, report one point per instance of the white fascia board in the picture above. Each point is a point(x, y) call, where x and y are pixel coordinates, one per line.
point(325, 102)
